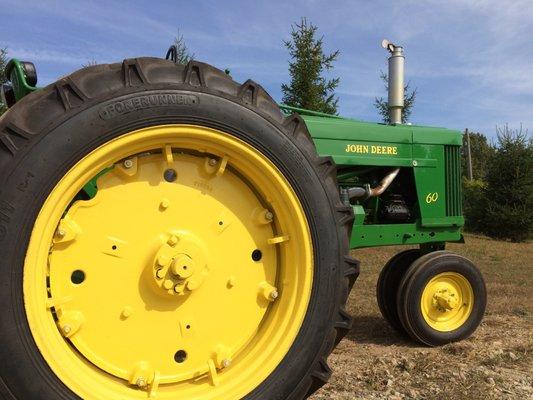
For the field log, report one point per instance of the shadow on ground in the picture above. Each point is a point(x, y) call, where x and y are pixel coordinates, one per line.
point(371, 329)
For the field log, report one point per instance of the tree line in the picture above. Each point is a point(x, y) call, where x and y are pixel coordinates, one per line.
point(498, 197)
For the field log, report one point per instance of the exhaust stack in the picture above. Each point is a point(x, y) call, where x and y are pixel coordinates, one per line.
point(396, 81)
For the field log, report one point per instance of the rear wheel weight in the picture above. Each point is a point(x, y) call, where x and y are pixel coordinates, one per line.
point(183, 129)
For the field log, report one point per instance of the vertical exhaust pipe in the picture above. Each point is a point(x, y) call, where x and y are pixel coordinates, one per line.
point(396, 81)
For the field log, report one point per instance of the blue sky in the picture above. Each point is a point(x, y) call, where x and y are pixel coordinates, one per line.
point(470, 60)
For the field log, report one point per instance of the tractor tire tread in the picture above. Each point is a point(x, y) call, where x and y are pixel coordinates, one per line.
point(48, 107)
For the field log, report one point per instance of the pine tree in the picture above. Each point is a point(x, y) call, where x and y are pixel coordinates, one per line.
point(308, 88)
point(409, 99)
point(509, 189)
point(183, 54)
point(3, 79)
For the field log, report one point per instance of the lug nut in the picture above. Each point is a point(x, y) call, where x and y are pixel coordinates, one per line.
point(127, 164)
point(164, 204)
point(126, 312)
point(172, 241)
point(160, 274)
point(168, 284)
point(141, 382)
point(163, 260)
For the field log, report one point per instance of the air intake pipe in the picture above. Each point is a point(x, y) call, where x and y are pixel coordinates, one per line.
point(396, 81)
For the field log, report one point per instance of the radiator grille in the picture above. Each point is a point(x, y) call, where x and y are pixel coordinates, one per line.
point(452, 159)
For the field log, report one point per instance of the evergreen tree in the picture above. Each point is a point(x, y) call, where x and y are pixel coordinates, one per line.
point(409, 99)
point(183, 55)
point(308, 88)
point(3, 79)
point(509, 190)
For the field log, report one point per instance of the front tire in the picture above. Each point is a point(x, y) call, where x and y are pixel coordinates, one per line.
point(441, 298)
point(89, 120)
point(388, 283)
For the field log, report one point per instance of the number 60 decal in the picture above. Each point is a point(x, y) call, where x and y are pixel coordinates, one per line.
point(432, 197)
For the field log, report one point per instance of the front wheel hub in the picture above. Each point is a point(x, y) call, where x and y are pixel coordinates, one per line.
point(447, 301)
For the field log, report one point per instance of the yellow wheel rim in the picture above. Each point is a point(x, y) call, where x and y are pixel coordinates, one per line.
point(188, 275)
point(447, 301)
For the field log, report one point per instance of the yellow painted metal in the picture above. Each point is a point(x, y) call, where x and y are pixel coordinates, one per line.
point(177, 288)
point(447, 301)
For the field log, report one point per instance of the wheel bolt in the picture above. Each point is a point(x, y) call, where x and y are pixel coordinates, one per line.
point(67, 329)
point(61, 233)
point(141, 382)
point(172, 241)
point(168, 284)
point(164, 204)
point(212, 162)
point(226, 363)
point(127, 164)
point(269, 216)
point(274, 294)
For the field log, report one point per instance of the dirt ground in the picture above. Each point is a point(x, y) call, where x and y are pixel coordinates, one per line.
point(374, 362)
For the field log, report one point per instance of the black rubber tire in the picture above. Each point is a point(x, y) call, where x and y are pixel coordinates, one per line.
point(415, 280)
point(46, 133)
point(388, 283)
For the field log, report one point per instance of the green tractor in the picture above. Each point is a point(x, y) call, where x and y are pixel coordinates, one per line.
point(169, 233)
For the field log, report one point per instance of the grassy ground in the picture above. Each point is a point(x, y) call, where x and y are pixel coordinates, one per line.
point(374, 362)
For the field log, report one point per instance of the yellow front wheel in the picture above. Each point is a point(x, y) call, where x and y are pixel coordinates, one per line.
point(168, 235)
point(441, 298)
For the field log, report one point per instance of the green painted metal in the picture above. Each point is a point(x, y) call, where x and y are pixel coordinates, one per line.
point(360, 145)
point(91, 187)
point(372, 235)
point(18, 80)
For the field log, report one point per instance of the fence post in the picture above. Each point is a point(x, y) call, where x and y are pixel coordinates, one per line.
point(468, 155)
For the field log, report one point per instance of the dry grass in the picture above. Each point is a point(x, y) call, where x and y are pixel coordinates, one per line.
point(374, 362)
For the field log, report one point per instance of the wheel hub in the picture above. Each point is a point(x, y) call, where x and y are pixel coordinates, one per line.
point(445, 299)
point(180, 265)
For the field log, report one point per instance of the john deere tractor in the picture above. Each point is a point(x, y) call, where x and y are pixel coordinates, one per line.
point(169, 233)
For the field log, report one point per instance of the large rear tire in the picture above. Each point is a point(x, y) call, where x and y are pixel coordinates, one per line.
point(84, 160)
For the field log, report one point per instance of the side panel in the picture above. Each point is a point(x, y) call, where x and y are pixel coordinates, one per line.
point(431, 153)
